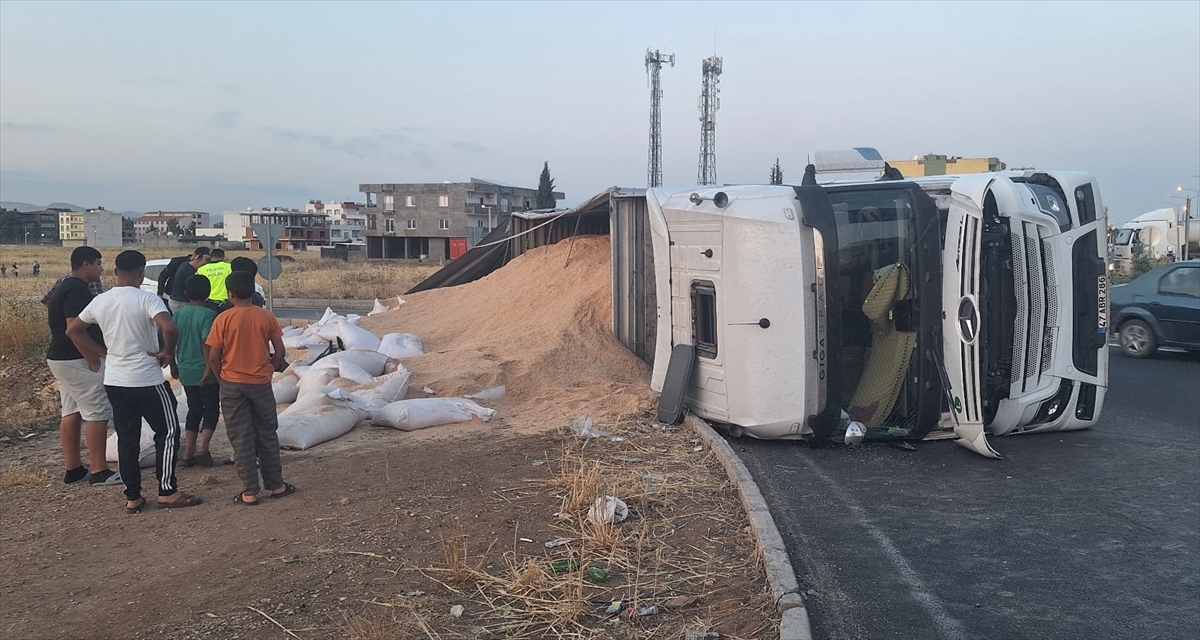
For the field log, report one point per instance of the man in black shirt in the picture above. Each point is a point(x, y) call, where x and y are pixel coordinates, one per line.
point(172, 282)
point(80, 389)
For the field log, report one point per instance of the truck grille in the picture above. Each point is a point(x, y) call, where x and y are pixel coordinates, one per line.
point(1036, 289)
point(968, 285)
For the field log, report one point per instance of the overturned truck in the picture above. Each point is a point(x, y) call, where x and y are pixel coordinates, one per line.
point(955, 306)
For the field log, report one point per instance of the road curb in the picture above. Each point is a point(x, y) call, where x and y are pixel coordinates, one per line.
point(317, 303)
point(781, 577)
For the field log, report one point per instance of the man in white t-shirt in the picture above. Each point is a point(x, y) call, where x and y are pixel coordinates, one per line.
point(130, 319)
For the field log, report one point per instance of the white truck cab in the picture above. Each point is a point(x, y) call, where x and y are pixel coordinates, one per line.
point(974, 304)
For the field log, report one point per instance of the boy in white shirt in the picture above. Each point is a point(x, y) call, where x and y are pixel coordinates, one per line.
point(133, 379)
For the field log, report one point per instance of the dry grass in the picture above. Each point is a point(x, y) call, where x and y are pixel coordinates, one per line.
point(23, 328)
point(19, 477)
point(646, 561)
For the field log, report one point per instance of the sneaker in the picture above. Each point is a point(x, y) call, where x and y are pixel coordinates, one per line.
point(75, 475)
point(106, 478)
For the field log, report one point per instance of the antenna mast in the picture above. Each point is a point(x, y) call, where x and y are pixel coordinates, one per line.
point(710, 101)
point(654, 62)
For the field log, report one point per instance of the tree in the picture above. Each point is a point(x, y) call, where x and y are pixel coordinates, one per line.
point(126, 223)
point(776, 173)
point(10, 226)
point(545, 192)
point(173, 227)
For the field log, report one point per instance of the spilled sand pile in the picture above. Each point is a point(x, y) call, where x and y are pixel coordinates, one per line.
point(542, 326)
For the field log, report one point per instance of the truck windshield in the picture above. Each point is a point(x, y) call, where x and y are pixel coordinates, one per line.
point(878, 261)
point(1124, 236)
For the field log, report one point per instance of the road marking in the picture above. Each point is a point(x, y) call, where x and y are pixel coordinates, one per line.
point(947, 626)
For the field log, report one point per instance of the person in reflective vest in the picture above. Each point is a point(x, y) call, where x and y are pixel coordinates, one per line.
point(216, 271)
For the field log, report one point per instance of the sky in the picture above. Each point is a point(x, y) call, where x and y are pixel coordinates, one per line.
point(221, 106)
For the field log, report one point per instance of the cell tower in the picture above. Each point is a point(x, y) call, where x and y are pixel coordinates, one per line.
point(654, 63)
point(710, 101)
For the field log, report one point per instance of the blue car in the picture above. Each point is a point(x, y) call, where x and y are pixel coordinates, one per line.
point(1161, 308)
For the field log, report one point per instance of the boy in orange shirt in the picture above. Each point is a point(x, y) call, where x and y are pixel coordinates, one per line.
point(239, 357)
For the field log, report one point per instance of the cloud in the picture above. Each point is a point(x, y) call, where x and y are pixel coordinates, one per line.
point(226, 119)
point(469, 147)
point(370, 147)
point(153, 82)
point(25, 127)
point(259, 189)
point(229, 88)
point(424, 159)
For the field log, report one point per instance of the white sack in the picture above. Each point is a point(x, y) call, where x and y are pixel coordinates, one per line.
point(353, 319)
point(401, 345)
point(313, 380)
point(372, 361)
point(420, 413)
point(354, 372)
point(385, 306)
point(330, 330)
point(146, 447)
point(286, 387)
point(385, 389)
point(292, 330)
point(355, 337)
point(329, 315)
point(311, 428)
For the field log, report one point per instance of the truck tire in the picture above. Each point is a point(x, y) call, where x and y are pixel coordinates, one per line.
point(1137, 339)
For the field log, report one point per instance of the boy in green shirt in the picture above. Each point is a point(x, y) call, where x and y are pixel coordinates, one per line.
point(199, 384)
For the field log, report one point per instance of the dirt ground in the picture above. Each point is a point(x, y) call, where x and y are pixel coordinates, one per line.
point(389, 531)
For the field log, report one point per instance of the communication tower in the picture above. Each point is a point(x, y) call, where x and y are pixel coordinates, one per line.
point(710, 101)
point(654, 63)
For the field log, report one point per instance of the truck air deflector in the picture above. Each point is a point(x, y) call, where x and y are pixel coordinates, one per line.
point(816, 212)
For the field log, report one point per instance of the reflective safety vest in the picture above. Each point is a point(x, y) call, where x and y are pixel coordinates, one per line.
point(216, 272)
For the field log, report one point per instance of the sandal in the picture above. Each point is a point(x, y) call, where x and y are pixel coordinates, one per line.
point(287, 491)
point(204, 459)
point(187, 462)
point(138, 509)
point(184, 500)
point(240, 498)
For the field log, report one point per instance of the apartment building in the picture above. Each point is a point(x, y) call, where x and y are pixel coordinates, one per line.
point(39, 227)
point(302, 229)
point(437, 221)
point(94, 228)
point(160, 220)
point(347, 222)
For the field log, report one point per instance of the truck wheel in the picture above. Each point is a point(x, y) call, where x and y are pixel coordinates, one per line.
point(1137, 339)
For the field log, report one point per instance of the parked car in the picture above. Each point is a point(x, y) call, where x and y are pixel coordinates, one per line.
point(154, 268)
point(1161, 308)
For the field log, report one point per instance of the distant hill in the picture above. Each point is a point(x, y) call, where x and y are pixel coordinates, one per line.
point(65, 205)
point(132, 214)
point(20, 206)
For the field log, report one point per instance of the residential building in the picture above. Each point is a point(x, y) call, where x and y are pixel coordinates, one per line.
point(39, 227)
point(160, 220)
point(301, 229)
point(347, 222)
point(438, 221)
point(933, 164)
point(95, 228)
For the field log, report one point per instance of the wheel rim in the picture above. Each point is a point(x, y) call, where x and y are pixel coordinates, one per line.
point(1135, 339)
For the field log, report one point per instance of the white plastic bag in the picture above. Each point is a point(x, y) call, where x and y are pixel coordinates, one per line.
point(310, 428)
point(355, 337)
point(420, 413)
point(401, 345)
point(371, 361)
point(491, 395)
point(385, 306)
point(385, 389)
point(145, 447)
point(608, 510)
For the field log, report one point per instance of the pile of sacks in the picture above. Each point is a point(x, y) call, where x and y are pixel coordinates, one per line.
point(322, 399)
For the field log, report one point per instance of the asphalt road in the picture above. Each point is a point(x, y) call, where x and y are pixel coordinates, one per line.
point(1090, 535)
point(311, 314)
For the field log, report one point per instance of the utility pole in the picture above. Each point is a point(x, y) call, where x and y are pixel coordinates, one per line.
point(710, 101)
point(654, 62)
